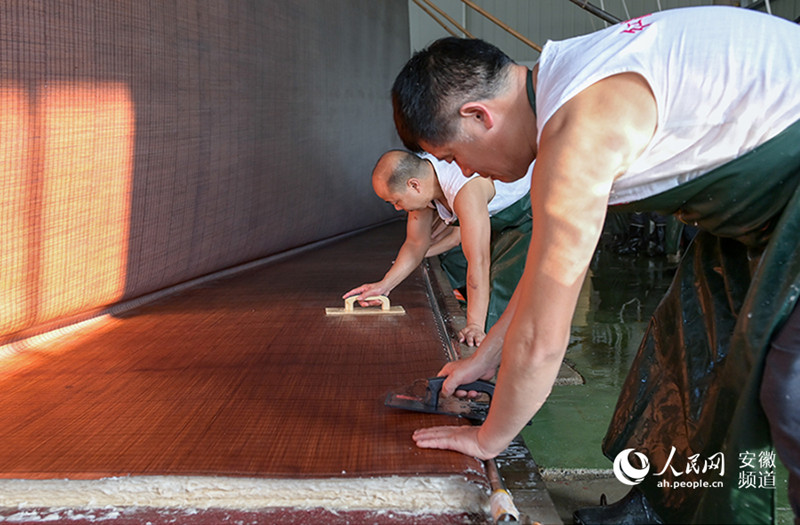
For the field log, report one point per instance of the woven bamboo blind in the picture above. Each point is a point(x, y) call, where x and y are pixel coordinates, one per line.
point(147, 142)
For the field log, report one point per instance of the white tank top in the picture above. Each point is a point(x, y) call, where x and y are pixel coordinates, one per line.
point(452, 179)
point(745, 63)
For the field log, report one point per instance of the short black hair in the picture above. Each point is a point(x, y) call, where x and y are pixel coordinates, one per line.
point(438, 80)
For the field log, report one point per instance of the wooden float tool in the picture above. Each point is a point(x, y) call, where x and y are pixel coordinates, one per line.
point(385, 309)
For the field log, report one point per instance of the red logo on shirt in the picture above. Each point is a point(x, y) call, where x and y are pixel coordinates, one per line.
point(634, 25)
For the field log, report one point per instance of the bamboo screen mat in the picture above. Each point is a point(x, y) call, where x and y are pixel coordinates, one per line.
point(144, 143)
point(243, 376)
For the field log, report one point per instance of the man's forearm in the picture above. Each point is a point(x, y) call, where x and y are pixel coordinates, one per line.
point(522, 388)
point(492, 346)
point(408, 258)
point(478, 293)
point(448, 242)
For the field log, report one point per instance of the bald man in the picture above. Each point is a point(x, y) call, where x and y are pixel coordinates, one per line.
point(493, 225)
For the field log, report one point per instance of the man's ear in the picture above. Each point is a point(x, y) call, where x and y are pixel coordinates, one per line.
point(414, 184)
point(479, 112)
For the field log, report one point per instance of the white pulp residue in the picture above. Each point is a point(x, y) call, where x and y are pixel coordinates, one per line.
point(391, 493)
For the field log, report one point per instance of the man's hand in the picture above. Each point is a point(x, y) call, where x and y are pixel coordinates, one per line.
point(368, 290)
point(462, 439)
point(465, 371)
point(471, 335)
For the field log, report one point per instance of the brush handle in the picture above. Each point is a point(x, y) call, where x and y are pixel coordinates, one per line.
point(435, 388)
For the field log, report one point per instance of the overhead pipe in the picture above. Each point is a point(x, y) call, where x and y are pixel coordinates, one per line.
point(444, 14)
point(435, 18)
point(596, 11)
point(503, 25)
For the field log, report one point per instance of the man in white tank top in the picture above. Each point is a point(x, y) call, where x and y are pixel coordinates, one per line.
point(677, 111)
point(436, 194)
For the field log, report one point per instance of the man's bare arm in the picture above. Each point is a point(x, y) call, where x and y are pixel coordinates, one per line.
point(410, 255)
point(589, 142)
point(471, 207)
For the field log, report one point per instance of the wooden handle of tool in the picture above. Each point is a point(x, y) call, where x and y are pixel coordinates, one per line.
point(385, 305)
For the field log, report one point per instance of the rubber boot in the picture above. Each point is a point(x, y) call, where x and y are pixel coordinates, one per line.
point(636, 239)
point(656, 245)
point(633, 509)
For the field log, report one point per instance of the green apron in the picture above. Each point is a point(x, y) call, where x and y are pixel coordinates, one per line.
point(511, 235)
point(693, 386)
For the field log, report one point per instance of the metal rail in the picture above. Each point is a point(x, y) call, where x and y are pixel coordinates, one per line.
point(502, 25)
point(596, 11)
point(444, 14)
point(483, 12)
point(435, 18)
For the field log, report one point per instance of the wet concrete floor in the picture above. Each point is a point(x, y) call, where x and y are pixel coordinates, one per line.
point(565, 438)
